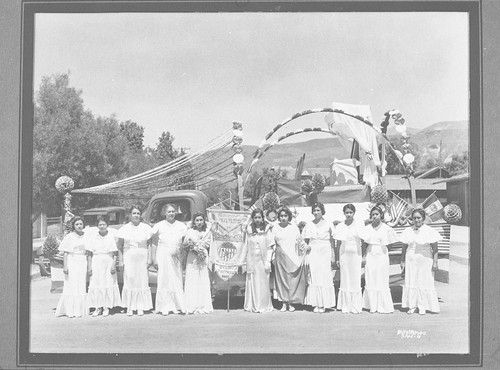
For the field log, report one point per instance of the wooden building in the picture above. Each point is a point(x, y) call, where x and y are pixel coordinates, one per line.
point(458, 192)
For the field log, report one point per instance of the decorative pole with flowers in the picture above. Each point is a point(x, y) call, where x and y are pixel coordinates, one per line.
point(407, 157)
point(64, 185)
point(238, 159)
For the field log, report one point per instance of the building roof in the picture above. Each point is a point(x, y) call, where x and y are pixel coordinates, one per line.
point(436, 172)
point(461, 177)
point(399, 183)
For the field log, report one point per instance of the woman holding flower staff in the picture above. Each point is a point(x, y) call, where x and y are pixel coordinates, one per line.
point(167, 256)
point(318, 236)
point(197, 295)
point(420, 259)
point(103, 288)
point(73, 301)
point(290, 272)
point(135, 238)
point(258, 243)
point(377, 237)
point(349, 259)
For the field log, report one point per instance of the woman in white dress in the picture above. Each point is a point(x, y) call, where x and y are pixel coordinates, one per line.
point(168, 258)
point(73, 301)
point(349, 259)
point(258, 243)
point(290, 279)
point(419, 259)
point(377, 237)
point(103, 288)
point(318, 236)
point(134, 239)
point(197, 294)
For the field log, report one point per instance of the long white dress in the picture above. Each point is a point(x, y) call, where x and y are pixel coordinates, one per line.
point(377, 294)
point(170, 292)
point(197, 294)
point(419, 290)
point(258, 258)
point(103, 287)
point(136, 294)
point(350, 298)
point(320, 292)
point(73, 301)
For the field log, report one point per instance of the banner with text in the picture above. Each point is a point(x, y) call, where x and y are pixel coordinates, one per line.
point(226, 252)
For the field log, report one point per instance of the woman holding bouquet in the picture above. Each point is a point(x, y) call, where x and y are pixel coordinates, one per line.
point(258, 242)
point(197, 295)
point(167, 257)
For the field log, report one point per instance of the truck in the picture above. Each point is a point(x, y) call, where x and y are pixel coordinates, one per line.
point(187, 203)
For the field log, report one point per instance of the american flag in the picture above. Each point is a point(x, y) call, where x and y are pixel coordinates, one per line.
point(396, 209)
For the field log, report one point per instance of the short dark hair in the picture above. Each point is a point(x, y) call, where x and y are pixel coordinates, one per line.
point(418, 210)
point(74, 220)
point(135, 206)
point(264, 222)
point(319, 205)
point(102, 218)
point(349, 206)
point(195, 216)
point(377, 208)
point(287, 211)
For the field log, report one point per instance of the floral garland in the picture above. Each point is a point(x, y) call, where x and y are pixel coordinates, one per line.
point(238, 148)
point(64, 184)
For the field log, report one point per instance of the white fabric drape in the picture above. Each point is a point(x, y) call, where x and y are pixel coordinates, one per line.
point(347, 127)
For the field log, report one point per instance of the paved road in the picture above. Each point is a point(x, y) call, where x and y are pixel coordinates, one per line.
point(238, 331)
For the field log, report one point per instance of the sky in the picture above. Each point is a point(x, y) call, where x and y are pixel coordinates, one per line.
point(193, 74)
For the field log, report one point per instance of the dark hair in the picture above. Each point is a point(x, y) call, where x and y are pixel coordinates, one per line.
point(264, 222)
point(418, 210)
point(195, 216)
point(319, 205)
point(377, 208)
point(135, 206)
point(103, 219)
point(74, 220)
point(349, 206)
point(287, 211)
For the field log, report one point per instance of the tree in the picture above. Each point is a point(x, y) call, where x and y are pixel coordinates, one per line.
point(68, 140)
point(459, 164)
point(165, 151)
point(134, 134)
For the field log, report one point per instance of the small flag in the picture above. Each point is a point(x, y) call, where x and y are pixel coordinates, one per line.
point(397, 209)
point(433, 207)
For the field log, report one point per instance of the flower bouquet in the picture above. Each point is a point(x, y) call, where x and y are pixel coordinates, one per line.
point(197, 248)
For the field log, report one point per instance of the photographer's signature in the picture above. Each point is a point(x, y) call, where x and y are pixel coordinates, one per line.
point(411, 334)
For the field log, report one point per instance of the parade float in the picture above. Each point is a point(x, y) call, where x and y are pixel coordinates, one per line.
point(358, 179)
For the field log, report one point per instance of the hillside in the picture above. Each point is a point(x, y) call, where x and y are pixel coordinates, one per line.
point(454, 136)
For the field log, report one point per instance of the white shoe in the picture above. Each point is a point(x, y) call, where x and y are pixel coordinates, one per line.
point(140, 312)
point(316, 309)
point(283, 308)
point(105, 312)
point(96, 312)
point(421, 311)
point(321, 310)
point(411, 311)
point(291, 308)
point(129, 312)
point(164, 313)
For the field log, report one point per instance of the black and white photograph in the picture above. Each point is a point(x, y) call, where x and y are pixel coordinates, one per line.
point(223, 184)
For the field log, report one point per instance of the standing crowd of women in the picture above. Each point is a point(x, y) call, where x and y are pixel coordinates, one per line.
point(293, 266)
